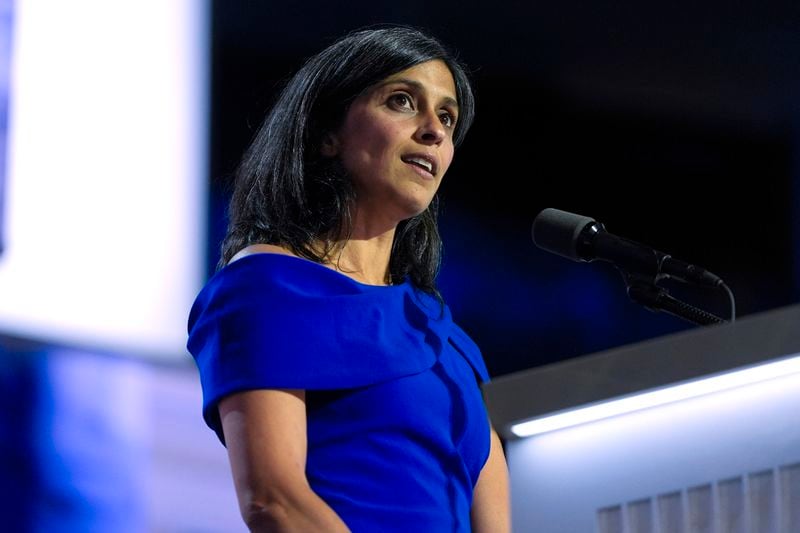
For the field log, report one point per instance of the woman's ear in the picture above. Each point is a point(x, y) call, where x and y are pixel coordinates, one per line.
point(330, 145)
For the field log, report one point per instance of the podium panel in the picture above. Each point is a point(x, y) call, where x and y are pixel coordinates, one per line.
point(719, 461)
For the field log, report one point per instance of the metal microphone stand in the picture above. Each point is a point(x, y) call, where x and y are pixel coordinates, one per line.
point(643, 289)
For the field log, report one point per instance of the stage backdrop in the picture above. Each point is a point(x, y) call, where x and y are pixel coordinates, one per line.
point(104, 210)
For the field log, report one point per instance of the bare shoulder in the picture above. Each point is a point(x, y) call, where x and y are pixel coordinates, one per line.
point(260, 249)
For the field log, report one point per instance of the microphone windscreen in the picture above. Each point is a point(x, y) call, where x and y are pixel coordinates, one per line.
point(558, 232)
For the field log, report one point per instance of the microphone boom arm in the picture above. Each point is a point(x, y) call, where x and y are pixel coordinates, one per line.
point(655, 298)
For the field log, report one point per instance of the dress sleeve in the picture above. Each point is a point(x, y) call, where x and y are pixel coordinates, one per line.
point(268, 321)
point(467, 347)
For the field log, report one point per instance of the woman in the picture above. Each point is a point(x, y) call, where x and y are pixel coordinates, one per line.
point(331, 368)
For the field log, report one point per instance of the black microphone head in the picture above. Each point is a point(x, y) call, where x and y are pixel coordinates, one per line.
point(559, 232)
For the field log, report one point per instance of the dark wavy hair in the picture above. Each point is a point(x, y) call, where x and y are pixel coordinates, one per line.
point(286, 193)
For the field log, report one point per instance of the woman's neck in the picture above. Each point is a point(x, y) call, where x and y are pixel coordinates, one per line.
point(364, 260)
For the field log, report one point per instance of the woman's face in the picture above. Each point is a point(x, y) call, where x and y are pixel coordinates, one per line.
point(396, 141)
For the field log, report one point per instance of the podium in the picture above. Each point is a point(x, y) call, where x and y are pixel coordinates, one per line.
point(724, 460)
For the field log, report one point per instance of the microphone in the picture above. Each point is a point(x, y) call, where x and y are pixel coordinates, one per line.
point(583, 239)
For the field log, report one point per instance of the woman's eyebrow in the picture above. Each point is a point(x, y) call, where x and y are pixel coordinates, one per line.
point(446, 101)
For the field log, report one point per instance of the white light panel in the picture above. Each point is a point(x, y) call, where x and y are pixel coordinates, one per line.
point(645, 400)
point(105, 214)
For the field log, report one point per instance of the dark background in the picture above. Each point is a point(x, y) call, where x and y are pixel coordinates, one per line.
point(674, 125)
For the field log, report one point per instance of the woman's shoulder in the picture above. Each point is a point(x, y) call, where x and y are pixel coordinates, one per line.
point(277, 271)
point(260, 248)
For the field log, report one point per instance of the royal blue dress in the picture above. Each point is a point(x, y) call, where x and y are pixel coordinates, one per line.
point(397, 428)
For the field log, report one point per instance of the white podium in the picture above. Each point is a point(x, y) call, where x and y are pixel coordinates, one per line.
point(716, 462)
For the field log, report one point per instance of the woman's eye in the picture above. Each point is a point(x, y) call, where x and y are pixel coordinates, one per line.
point(447, 119)
point(401, 100)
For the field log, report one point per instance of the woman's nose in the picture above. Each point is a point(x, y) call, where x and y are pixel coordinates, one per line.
point(430, 130)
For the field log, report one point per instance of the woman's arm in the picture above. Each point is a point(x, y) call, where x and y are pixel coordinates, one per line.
point(491, 507)
point(265, 433)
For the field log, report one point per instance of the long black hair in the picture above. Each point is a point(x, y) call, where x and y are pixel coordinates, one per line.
point(287, 193)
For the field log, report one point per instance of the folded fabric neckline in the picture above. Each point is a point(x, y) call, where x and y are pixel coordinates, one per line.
point(311, 265)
